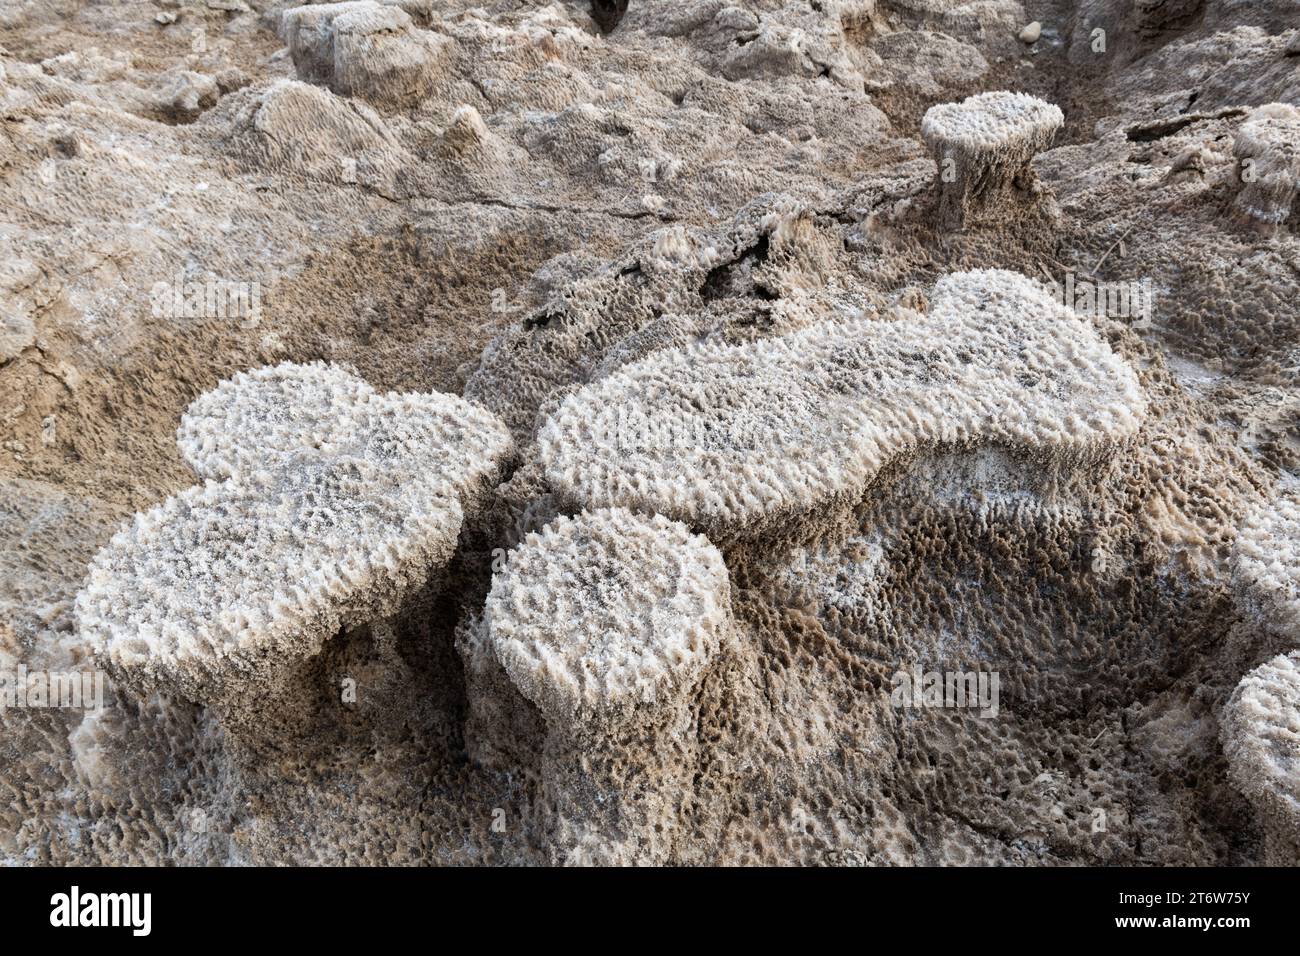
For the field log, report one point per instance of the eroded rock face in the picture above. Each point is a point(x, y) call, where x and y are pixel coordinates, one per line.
point(420, 607)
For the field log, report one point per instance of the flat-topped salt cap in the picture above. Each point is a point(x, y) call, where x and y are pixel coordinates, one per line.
point(724, 437)
point(608, 613)
point(228, 582)
point(993, 122)
point(259, 418)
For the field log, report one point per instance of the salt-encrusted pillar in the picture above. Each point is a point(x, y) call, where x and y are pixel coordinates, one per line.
point(1267, 149)
point(1260, 732)
point(222, 593)
point(608, 623)
point(983, 147)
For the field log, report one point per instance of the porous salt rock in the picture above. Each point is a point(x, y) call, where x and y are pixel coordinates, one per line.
point(1260, 732)
point(381, 57)
point(309, 33)
point(296, 128)
point(227, 584)
point(983, 146)
point(337, 502)
point(1268, 149)
point(599, 616)
point(1266, 566)
point(607, 623)
point(737, 438)
point(364, 48)
point(259, 418)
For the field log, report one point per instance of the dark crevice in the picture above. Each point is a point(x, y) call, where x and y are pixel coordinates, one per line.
point(1147, 132)
point(608, 13)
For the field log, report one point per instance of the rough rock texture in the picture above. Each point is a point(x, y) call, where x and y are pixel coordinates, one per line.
point(983, 146)
point(1267, 566)
point(607, 623)
point(1261, 738)
point(337, 503)
point(436, 210)
point(269, 416)
point(229, 583)
point(734, 436)
point(1268, 146)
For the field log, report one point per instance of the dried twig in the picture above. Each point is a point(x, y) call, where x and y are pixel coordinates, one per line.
point(1105, 255)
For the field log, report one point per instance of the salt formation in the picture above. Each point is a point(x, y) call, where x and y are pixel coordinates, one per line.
point(747, 437)
point(219, 591)
point(380, 56)
point(1266, 567)
point(1261, 739)
point(983, 147)
point(337, 502)
point(367, 49)
point(302, 130)
point(266, 417)
point(1268, 148)
point(538, 203)
point(606, 622)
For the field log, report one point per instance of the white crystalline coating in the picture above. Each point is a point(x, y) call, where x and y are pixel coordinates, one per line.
point(721, 436)
point(1266, 565)
point(257, 419)
point(228, 582)
point(1268, 149)
point(1015, 124)
point(337, 500)
point(1260, 730)
point(608, 612)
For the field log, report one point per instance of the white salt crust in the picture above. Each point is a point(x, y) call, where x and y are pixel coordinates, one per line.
point(608, 612)
point(335, 501)
point(260, 418)
point(722, 436)
point(1260, 731)
point(1266, 566)
point(1267, 148)
point(991, 124)
point(228, 582)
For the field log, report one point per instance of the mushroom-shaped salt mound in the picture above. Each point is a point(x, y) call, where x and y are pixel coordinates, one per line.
point(1266, 568)
point(260, 418)
point(338, 500)
point(1260, 732)
point(608, 622)
point(1268, 150)
point(218, 592)
point(983, 147)
point(743, 440)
